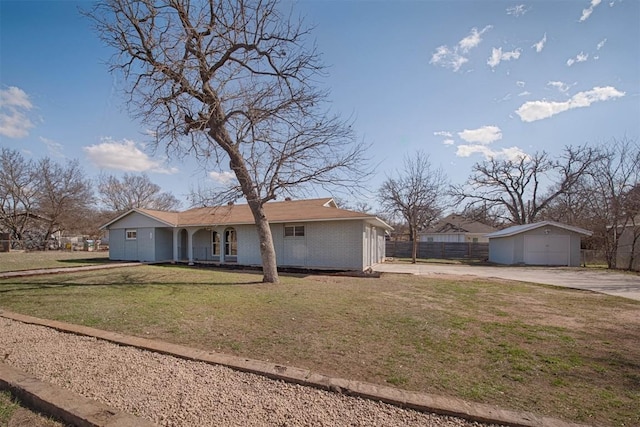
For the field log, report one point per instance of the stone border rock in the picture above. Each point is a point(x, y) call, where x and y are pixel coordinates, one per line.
point(62, 404)
point(406, 399)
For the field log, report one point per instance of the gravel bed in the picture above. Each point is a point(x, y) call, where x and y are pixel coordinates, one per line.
point(174, 392)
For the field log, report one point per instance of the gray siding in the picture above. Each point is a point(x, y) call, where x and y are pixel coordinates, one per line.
point(336, 244)
point(202, 247)
point(501, 250)
point(164, 244)
point(116, 244)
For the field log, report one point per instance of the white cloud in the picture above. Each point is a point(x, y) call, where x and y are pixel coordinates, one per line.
point(53, 147)
point(581, 57)
point(448, 141)
point(511, 153)
point(448, 58)
point(224, 177)
point(124, 156)
point(443, 133)
point(473, 39)
point(520, 83)
point(601, 44)
point(14, 103)
point(524, 93)
point(586, 13)
point(518, 10)
point(15, 97)
point(538, 110)
point(540, 45)
point(484, 135)
point(561, 86)
point(498, 56)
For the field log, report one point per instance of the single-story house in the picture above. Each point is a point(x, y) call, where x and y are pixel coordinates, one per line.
point(456, 228)
point(306, 233)
point(540, 243)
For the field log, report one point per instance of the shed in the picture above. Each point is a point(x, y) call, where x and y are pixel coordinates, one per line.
point(540, 243)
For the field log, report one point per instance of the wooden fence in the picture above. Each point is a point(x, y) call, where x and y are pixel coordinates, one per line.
point(439, 250)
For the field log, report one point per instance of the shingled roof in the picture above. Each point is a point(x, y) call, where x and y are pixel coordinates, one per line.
point(277, 212)
point(455, 223)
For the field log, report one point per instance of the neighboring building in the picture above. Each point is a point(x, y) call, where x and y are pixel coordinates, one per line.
point(306, 233)
point(628, 244)
point(456, 228)
point(540, 243)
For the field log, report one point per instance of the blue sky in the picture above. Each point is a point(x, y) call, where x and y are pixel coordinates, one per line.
point(460, 80)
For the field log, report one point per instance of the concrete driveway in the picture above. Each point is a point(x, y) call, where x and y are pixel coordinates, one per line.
point(625, 285)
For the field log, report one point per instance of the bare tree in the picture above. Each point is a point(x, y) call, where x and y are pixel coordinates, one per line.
point(233, 81)
point(18, 190)
point(608, 195)
point(134, 191)
point(417, 193)
point(64, 194)
point(520, 190)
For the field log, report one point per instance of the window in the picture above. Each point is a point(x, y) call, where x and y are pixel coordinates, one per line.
point(131, 234)
point(215, 243)
point(294, 231)
point(475, 240)
point(230, 242)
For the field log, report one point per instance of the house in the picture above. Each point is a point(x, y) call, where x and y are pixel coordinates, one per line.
point(456, 228)
point(306, 234)
point(540, 243)
point(628, 251)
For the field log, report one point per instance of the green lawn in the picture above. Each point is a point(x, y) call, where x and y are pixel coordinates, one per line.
point(564, 353)
point(15, 261)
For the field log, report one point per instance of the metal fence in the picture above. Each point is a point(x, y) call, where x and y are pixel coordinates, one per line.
point(439, 250)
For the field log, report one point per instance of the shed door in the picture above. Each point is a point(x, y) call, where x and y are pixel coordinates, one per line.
point(547, 250)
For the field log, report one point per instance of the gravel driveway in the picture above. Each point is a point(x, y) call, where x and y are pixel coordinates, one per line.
point(175, 392)
point(625, 285)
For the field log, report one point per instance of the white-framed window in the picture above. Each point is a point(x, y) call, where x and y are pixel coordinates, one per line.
point(230, 242)
point(294, 231)
point(131, 234)
point(215, 243)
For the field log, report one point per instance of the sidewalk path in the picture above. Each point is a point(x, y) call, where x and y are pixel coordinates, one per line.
point(40, 271)
point(626, 285)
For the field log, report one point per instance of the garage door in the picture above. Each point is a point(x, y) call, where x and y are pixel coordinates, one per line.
point(546, 250)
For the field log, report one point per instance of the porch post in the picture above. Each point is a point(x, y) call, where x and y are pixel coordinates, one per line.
point(176, 231)
point(190, 233)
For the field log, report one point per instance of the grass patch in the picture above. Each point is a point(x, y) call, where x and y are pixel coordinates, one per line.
point(14, 415)
point(17, 261)
point(554, 351)
point(7, 407)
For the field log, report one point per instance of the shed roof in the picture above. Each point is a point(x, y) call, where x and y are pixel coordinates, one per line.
point(517, 229)
point(277, 212)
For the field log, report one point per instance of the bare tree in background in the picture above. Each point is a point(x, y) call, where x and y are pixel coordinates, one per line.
point(233, 81)
point(520, 190)
point(134, 191)
point(18, 192)
point(64, 194)
point(417, 193)
point(607, 195)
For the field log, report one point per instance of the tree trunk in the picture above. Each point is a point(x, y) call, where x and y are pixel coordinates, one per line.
point(414, 245)
point(267, 250)
point(256, 204)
